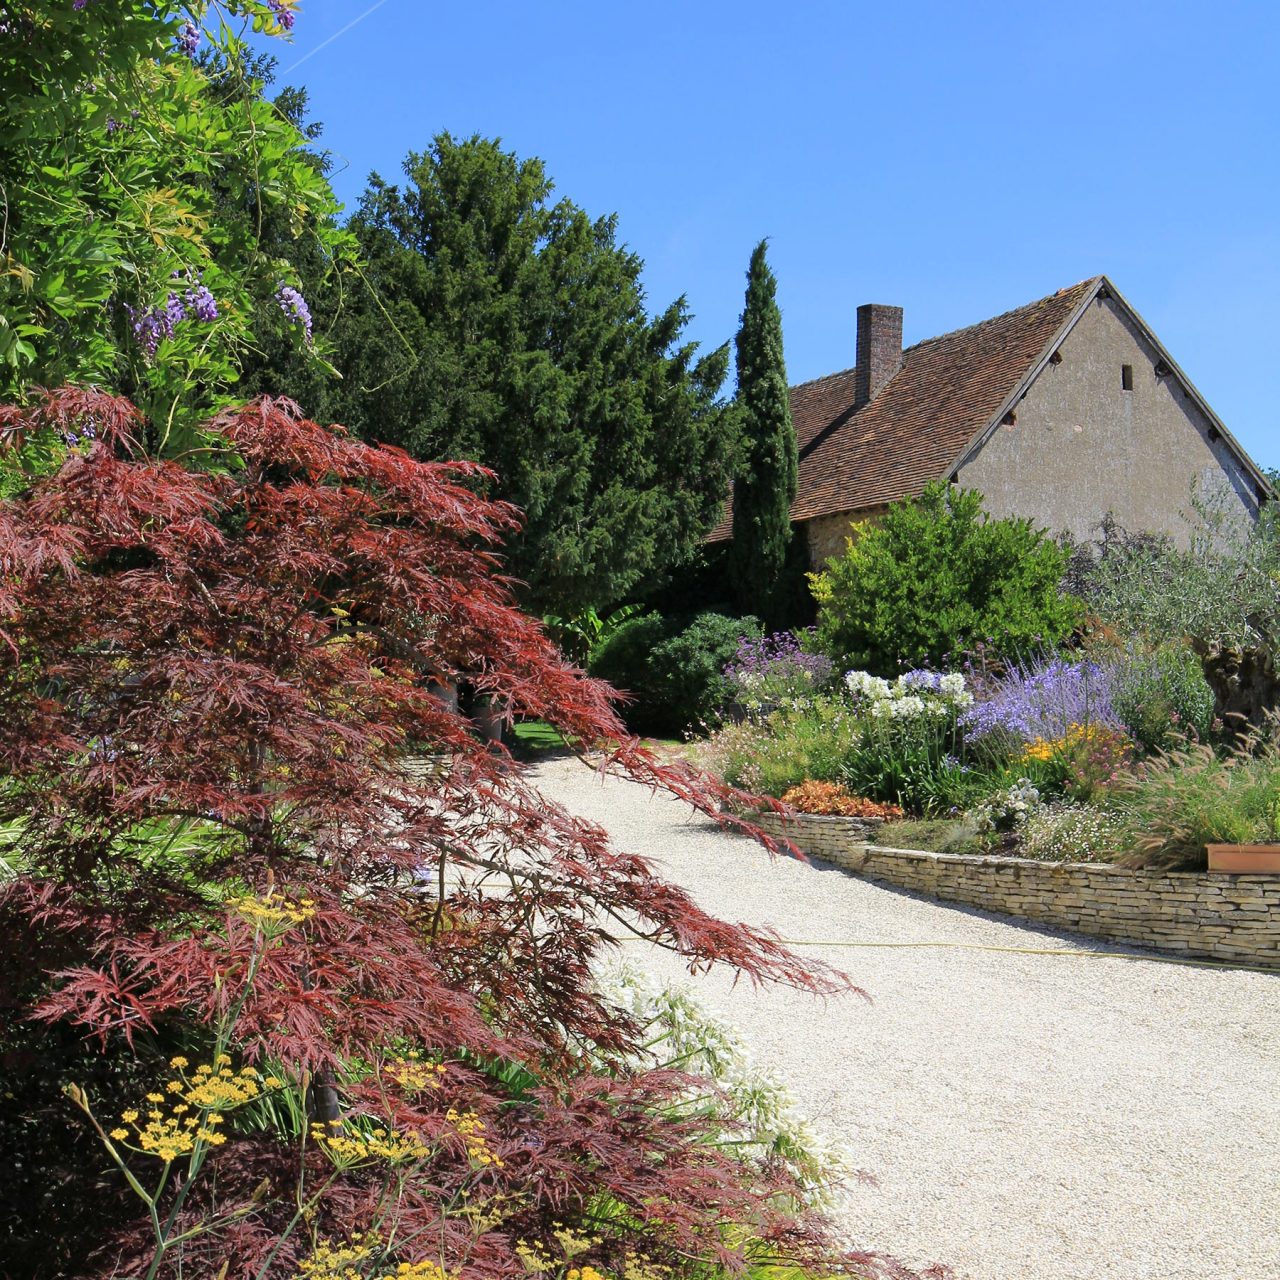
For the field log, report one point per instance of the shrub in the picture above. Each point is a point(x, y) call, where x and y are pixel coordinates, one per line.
point(621, 658)
point(832, 799)
point(675, 673)
point(1071, 833)
point(688, 668)
point(769, 671)
point(906, 745)
point(1040, 700)
point(1219, 594)
point(205, 683)
point(1162, 696)
point(1174, 805)
point(1007, 810)
point(935, 577)
point(897, 743)
point(788, 747)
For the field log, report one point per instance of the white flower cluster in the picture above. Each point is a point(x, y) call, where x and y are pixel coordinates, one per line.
point(913, 696)
point(681, 1034)
point(1072, 833)
point(1008, 810)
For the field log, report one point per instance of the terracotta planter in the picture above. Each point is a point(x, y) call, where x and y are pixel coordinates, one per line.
point(1245, 859)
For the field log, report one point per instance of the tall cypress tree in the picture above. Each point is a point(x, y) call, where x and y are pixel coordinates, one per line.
point(766, 484)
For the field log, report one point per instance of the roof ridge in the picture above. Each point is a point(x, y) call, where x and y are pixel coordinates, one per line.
point(808, 382)
point(1087, 283)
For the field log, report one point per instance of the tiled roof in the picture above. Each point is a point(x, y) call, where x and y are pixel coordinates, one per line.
point(946, 391)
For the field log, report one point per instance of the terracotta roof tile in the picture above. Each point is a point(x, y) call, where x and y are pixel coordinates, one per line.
point(947, 390)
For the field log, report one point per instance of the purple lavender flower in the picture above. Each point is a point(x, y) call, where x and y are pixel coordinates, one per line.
point(1043, 702)
point(284, 17)
point(295, 308)
point(189, 38)
point(775, 669)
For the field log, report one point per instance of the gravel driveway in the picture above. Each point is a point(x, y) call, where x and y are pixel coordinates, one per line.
point(1027, 1117)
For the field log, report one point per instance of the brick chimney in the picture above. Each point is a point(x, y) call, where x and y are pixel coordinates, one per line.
point(879, 349)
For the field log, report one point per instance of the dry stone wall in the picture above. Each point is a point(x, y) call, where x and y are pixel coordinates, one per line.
point(1220, 917)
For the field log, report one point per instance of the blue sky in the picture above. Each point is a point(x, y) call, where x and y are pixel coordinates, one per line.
point(956, 159)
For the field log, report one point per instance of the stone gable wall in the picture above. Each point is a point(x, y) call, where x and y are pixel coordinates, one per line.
point(1080, 446)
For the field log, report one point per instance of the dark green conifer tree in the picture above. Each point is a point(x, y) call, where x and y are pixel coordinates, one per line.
point(766, 484)
point(506, 326)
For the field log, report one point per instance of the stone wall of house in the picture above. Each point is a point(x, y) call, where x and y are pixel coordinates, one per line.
point(1080, 445)
point(1220, 917)
point(827, 534)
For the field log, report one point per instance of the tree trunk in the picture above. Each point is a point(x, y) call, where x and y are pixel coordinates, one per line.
point(1245, 683)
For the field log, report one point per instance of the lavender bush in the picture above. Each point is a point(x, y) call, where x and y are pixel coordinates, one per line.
point(1042, 702)
point(776, 671)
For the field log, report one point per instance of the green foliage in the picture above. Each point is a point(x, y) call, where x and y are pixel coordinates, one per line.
point(674, 671)
point(582, 634)
point(514, 333)
point(788, 747)
point(1219, 594)
point(933, 835)
point(909, 761)
point(622, 660)
point(1220, 590)
point(688, 667)
point(1162, 697)
point(766, 485)
point(934, 578)
point(121, 160)
point(1176, 804)
point(912, 765)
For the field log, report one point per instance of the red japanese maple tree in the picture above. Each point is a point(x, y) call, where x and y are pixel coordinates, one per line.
point(209, 678)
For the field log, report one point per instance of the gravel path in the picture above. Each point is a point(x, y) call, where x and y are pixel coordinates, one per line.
point(1026, 1117)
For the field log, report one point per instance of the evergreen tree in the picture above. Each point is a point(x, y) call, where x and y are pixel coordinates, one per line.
point(506, 328)
point(766, 485)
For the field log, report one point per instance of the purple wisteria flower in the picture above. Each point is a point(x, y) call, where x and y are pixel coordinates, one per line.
point(201, 303)
point(188, 38)
point(295, 308)
point(1044, 702)
point(150, 327)
point(154, 325)
point(285, 17)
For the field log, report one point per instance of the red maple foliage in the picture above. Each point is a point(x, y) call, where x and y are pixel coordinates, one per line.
point(208, 683)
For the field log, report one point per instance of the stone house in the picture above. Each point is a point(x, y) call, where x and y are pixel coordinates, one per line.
point(1061, 411)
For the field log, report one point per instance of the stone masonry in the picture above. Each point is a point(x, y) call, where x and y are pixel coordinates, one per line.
point(1233, 918)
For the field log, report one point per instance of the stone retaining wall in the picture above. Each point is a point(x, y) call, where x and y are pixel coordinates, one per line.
point(816, 835)
point(1220, 917)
